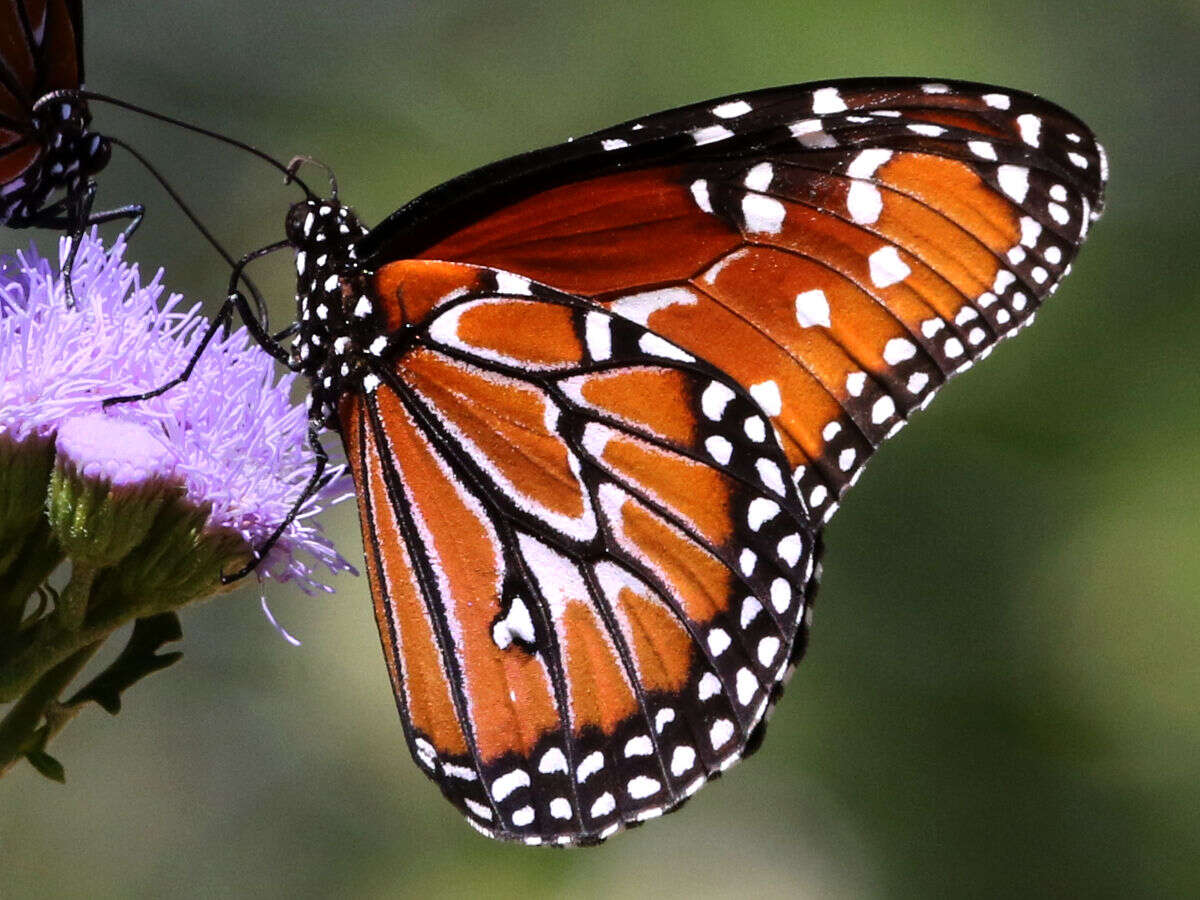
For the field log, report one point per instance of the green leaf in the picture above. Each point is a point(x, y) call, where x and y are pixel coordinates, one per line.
point(136, 661)
point(47, 765)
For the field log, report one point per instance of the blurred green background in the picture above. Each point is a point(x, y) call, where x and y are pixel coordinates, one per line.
point(1002, 693)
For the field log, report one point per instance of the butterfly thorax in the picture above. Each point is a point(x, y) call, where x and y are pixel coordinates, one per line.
point(338, 330)
point(72, 154)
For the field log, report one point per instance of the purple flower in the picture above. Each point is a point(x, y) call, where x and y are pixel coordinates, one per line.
point(233, 438)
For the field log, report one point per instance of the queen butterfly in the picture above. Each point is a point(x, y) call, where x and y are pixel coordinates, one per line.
point(46, 144)
point(600, 399)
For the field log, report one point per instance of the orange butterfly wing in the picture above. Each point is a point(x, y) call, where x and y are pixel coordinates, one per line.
point(594, 484)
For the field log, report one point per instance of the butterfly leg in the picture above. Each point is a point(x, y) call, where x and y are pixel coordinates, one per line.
point(315, 483)
point(82, 217)
point(219, 321)
point(286, 332)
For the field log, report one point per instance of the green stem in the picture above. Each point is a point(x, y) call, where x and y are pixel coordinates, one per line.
point(39, 555)
point(18, 728)
point(53, 643)
point(73, 602)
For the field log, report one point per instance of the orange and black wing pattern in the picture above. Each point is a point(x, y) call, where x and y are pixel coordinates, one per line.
point(629, 380)
point(41, 51)
point(589, 563)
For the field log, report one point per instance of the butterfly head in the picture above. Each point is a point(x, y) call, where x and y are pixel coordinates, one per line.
point(323, 224)
point(72, 154)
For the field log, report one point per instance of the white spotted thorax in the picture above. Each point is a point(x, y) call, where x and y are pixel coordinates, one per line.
point(338, 326)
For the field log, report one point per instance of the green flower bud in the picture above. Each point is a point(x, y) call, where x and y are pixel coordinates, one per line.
point(110, 480)
point(180, 560)
point(24, 473)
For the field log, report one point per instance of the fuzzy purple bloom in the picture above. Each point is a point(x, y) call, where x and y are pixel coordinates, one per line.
point(233, 437)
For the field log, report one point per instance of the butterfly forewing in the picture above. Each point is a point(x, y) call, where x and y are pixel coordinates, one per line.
point(628, 380)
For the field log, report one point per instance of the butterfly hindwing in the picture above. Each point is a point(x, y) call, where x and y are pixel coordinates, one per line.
point(610, 586)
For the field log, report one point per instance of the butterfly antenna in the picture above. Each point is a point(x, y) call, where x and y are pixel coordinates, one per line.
point(187, 126)
point(195, 220)
point(297, 161)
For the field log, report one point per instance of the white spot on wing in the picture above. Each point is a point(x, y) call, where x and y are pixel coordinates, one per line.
point(766, 394)
point(810, 134)
point(682, 760)
point(887, 268)
point(982, 149)
point(759, 177)
point(746, 562)
point(714, 400)
point(1014, 181)
point(598, 334)
point(790, 548)
point(750, 610)
point(864, 203)
point(760, 510)
point(781, 595)
point(731, 110)
point(1030, 127)
point(747, 686)
point(479, 809)
point(641, 306)
point(755, 429)
point(508, 283)
point(719, 448)
point(604, 805)
point(718, 641)
point(897, 350)
point(522, 816)
point(720, 733)
point(643, 786)
point(827, 100)
point(552, 760)
point(710, 134)
point(509, 782)
point(656, 346)
point(863, 200)
point(768, 649)
point(517, 624)
point(639, 746)
point(589, 766)
point(1031, 230)
point(882, 410)
point(769, 472)
point(812, 308)
point(763, 215)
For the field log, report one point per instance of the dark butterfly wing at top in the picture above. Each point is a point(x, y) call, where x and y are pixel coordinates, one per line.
point(622, 385)
point(41, 51)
